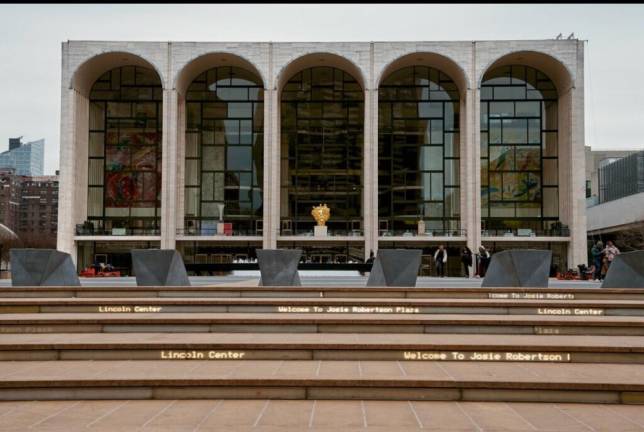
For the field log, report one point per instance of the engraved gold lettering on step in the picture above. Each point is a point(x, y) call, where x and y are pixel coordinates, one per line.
point(129, 309)
point(349, 309)
point(485, 356)
point(547, 330)
point(201, 355)
point(570, 311)
point(532, 296)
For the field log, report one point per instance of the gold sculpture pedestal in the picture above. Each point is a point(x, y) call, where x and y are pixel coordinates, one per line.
point(320, 231)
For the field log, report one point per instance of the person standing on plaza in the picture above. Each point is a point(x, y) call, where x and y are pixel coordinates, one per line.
point(466, 259)
point(485, 260)
point(611, 252)
point(440, 258)
point(597, 254)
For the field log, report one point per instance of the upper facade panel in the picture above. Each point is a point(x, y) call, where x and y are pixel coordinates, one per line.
point(84, 62)
point(560, 60)
point(177, 63)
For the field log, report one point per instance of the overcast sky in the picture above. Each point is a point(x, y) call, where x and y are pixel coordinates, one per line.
point(30, 38)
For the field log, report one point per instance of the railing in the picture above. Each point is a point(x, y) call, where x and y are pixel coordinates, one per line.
point(526, 232)
point(91, 231)
point(309, 232)
point(228, 267)
point(209, 232)
point(426, 234)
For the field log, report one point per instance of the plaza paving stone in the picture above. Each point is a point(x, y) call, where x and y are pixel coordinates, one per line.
point(316, 415)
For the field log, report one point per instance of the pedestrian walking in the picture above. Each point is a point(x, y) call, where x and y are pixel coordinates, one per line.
point(466, 259)
point(440, 258)
point(597, 254)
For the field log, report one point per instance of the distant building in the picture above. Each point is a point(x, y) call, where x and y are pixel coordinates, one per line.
point(615, 193)
point(29, 205)
point(26, 158)
point(9, 197)
point(595, 159)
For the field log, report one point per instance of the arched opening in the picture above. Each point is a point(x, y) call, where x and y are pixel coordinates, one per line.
point(418, 152)
point(124, 152)
point(224, 145)
point(520, 149)
point(199, 65)
point(322, 135)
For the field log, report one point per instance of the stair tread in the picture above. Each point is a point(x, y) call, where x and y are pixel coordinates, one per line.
point(345, 341)
point(200, 317)
point(324, 301)
point(227, 288)
point(624, 377)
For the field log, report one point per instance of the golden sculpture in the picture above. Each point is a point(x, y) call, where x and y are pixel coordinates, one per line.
point(321, 214)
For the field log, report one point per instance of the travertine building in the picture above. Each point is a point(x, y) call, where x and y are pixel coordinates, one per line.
point(410, 144)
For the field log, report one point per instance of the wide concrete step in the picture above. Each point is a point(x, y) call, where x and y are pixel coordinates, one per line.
point(319, 323)
point(317, 292)
point(316, 415)
point(325, 305)
point(398, 347)
point(337, 380)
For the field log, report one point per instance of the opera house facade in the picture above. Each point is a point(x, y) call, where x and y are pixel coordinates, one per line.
point(218, 149)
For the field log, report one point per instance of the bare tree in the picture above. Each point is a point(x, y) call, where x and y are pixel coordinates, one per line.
point(38, 241)
point(6, 245)
point(631, 239)
point(32, 241)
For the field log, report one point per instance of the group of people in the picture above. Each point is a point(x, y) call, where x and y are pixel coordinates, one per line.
point(483, 262)
point(467, 259)
point(602, 258)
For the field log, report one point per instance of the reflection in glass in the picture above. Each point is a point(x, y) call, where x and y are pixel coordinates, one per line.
point(322, 113)
point(224, 148)
point(124, 173)
point(418, 152)
point(518, 149)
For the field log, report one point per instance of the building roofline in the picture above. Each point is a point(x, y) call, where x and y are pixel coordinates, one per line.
point(323, 41)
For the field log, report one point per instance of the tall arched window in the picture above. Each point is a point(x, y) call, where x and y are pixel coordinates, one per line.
point(124, 176)
point(224, 150)
point(322, 113)
point(519, 151)
point(418, 152)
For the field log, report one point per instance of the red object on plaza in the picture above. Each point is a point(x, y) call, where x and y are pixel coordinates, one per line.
point(91, 272)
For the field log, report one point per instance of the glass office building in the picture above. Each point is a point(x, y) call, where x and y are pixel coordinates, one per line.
point(27, 159)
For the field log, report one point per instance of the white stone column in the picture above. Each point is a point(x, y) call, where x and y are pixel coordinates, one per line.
point(370, 173)
point(473, 149)
point(472, 174)
point(72, 195)
point(169, 169)
point(577, 250)
point(181, 163)
point(271, 168)
point(65, 233)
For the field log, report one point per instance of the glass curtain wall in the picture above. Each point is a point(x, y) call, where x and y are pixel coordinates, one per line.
point(322, 113)
point(224, 151)
point(124, 176)
point(418, 152)
point(519, 152)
